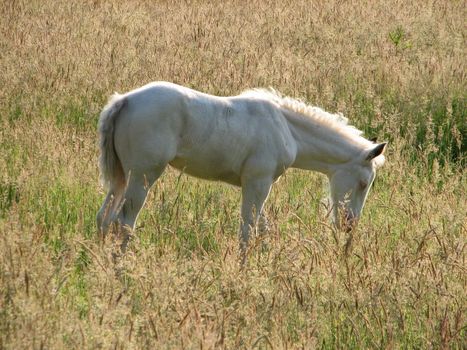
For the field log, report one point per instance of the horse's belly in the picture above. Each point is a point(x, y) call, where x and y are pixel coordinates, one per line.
point(209, 170)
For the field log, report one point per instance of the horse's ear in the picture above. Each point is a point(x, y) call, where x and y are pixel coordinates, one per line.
point(375, 152)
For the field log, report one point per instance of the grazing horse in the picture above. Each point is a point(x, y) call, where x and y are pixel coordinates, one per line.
point(247, 140)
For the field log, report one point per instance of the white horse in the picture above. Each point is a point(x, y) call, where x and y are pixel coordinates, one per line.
point(247, 140)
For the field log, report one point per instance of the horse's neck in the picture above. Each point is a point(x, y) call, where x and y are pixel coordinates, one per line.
point(321, 148)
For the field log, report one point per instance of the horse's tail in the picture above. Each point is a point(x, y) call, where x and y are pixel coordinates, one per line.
point(111, 170)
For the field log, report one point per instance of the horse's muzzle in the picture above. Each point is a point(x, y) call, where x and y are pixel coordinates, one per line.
point(349, 221)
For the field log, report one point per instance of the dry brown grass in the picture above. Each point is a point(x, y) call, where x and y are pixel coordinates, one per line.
point(396, 69)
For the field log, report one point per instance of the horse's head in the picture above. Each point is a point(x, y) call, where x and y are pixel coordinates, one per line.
point(350, 184)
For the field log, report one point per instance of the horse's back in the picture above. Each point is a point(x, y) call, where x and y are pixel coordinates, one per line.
point(203, 135)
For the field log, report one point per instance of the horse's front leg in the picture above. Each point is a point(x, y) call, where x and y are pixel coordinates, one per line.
point(255, 191)
point(263, 224)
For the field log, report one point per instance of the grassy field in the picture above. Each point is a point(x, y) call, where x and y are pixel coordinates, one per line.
point(396, 69)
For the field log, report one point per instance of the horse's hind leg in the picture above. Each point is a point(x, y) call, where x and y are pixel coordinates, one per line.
point(108, 212)
point(136, 192)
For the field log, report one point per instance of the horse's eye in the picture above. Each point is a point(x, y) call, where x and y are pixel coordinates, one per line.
point(363, 184)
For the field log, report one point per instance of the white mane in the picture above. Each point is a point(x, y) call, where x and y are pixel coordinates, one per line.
point(335, 121)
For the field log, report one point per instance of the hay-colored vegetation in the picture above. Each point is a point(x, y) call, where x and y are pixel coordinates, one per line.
point(396, 69)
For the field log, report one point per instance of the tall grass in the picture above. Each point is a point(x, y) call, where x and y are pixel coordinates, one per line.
point(396, 69)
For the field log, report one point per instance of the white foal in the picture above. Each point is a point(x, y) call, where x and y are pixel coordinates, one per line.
point(247, 141)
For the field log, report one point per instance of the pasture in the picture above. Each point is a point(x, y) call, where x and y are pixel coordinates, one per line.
point(397, 70)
